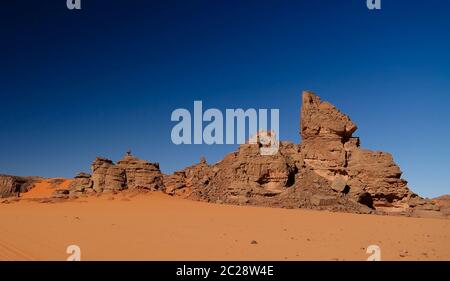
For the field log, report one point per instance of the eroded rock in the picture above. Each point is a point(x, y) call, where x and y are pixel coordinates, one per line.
point(141, 174)
point(330, 150)
point(328, 170)
point(12, 186)
point(129, 173)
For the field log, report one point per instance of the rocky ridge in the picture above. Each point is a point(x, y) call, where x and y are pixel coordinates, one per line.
point(328, 170)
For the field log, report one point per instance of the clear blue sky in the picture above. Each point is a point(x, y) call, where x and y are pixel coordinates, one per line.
point(79, 84)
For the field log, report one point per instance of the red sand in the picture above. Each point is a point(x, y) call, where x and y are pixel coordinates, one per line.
point(45, 188)
point(160, 227)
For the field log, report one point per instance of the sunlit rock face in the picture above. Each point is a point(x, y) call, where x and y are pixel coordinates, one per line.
point(327, 170)
point(129, 173)
point(330, 150)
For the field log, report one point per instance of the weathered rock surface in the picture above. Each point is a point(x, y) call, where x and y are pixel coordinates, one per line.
point(444, 204)
point(106, 176)
point(13, 185)
point(141, 174)
point(330, 150)
point(238, 176)
point(129, 173)
point(195, 177)
point(246, 173)
point(323, 120)
point(81, 183)
point(329, 171)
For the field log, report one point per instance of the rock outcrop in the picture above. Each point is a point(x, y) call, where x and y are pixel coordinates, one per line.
point(444, 204)
point(81, 183)
point(106, 176)
point(194, 178)
point(13, 185)
point(141, 174)
point(327, 170)
point(330, 150)
point(247, 174)
point(247, 177)
point(238, 174)
point(129, 173)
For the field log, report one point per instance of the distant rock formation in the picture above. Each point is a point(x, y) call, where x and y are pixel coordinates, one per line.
point(128, 173)
point(327, 170)
point(141, 174)
point(444, 204)
point(13, 185)
point(240, 174)
point(330, 150)
point(106, 176)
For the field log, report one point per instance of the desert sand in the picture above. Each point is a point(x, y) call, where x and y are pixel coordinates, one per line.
point(45, 188)
point(155, 226)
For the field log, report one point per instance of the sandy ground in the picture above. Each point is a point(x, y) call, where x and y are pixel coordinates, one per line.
point(159, 227)
point(45, 188)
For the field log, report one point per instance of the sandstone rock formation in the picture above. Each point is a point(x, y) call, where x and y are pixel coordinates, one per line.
point(444, 204)
point(13, 185)
point(195, 177)
point(239, 175)
point(327, 170)
point(330, 150)
point(106, 176)
point(247, 177)
point(246, 173)
point(129, 173)
point(141, 174)
point(81, 183)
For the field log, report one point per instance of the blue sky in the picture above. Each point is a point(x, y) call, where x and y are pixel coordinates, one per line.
point(79, 84)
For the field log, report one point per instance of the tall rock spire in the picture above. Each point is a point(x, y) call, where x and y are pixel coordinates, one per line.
point(330, 150)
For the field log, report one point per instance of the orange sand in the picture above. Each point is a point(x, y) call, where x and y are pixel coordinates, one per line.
point(158, 227)
point(45, 188)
